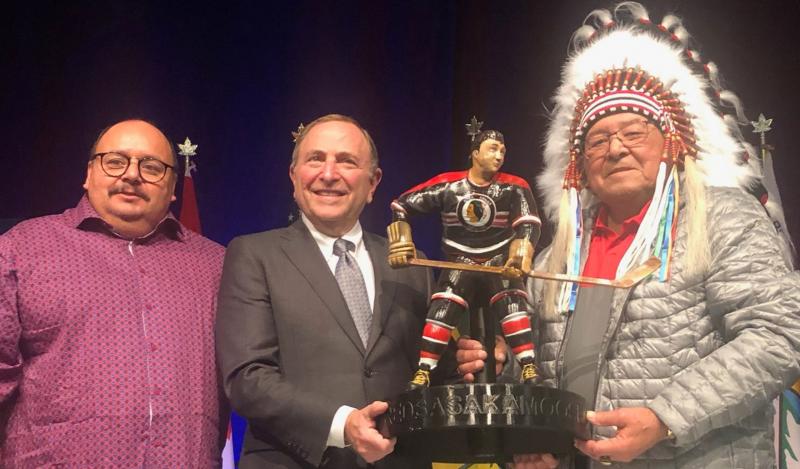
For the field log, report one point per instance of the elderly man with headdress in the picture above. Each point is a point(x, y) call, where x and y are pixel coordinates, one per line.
point(640, 162)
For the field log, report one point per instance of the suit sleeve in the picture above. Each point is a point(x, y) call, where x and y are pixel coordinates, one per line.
point(249, 358)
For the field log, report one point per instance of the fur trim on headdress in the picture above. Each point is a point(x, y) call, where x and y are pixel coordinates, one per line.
point(632, 47)
point(678, 93)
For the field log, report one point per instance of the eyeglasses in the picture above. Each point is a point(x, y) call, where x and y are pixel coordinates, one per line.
point(631, 136)
point(115, 164)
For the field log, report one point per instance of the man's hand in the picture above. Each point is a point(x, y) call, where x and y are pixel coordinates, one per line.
point(638, 429)
point(361, 432)
point(535, 461)
point(470, 356)
point(520, 255)
point(401, 246)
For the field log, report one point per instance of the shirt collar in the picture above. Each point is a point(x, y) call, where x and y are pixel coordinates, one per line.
point(630, 225)
point(325, 242)
point(85, 217)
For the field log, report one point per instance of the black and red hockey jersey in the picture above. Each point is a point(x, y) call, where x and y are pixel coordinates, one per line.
point(478, 222)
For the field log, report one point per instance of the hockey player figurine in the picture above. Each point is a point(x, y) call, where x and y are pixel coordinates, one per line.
point(488, 218)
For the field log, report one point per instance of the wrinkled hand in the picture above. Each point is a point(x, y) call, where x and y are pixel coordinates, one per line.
point(361, 432)
point(470, 356)
point(638, 429)
point(520, 255)
point(401, 246)
point(534, 461)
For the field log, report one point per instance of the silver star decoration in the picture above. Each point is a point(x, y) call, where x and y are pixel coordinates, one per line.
point(762, 125)
point(474, 127)
point(297, 133)
point(187, 149)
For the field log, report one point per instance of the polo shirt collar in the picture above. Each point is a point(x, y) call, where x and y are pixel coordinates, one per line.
point(630, 225)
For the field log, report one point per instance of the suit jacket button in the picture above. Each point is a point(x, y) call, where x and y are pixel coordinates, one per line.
point(368, 372)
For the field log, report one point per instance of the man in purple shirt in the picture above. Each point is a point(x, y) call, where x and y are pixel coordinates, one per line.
point(106, 322)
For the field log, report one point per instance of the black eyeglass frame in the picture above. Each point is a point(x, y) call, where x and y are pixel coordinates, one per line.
point(101, 155)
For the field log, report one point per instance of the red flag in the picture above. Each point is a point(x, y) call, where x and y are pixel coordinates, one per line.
point(189, 216)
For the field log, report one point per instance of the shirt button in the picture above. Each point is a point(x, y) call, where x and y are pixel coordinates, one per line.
point(368, 372)
point(141, 270)
point(156, 391)
point(153, 347)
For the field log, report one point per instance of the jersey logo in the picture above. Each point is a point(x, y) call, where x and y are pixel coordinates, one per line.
point(476, 212)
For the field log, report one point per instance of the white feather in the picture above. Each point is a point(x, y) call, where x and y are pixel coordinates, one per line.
point(634, 9)
point(581, 37)
point(713, 75)
point(682, 34)
point(600, 18)
point(670, 22)
point(730, 99)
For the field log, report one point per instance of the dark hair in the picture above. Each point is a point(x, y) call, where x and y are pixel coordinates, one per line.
point(486, 135)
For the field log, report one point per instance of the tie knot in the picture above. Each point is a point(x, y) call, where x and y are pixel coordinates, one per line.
point(341, 246)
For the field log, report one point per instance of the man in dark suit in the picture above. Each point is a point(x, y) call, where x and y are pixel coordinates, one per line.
point(309, 350)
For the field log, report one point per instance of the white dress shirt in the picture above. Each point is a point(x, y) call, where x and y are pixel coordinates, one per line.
point(325, 244)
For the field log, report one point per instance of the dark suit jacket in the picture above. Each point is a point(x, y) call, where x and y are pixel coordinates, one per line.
point(289, 350)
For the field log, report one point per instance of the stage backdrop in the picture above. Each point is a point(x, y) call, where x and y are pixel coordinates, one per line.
point(238, 77)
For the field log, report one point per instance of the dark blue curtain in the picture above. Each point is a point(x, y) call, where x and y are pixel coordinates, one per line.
point(238, 77)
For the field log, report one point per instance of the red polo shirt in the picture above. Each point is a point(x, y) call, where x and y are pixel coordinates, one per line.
point(607, 246)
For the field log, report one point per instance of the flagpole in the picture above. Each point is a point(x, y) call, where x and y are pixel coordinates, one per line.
point(189, 215)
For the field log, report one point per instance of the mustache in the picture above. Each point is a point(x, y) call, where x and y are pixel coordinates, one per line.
point(130, 190)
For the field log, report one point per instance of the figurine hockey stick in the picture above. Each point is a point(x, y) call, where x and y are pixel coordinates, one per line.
point(634, 276)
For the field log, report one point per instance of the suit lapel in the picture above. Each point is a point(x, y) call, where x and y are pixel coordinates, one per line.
point(303, 252)
point(385, 284)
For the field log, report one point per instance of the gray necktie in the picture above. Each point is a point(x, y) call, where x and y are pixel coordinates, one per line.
point(351, 283)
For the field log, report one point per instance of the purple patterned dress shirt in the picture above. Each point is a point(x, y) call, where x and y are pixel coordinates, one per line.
point(107, 346)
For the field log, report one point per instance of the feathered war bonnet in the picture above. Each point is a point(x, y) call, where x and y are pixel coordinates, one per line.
point(623, 62)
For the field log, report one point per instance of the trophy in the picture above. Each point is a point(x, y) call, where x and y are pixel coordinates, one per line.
point(490, 226)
